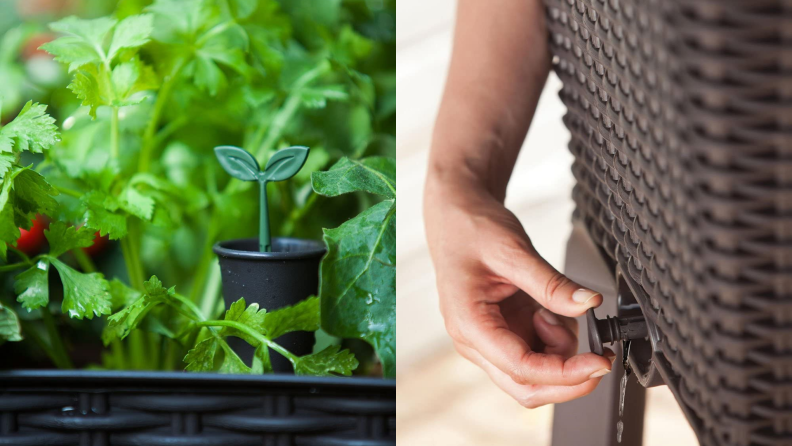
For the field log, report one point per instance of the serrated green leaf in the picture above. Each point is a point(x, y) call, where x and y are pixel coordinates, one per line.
point(302, 316)
point(376, 175)
point(137, 204)
point(9, 231)
point(121, 323)
point(251, 316)
point(358, 281)
point(7, 159)
point(238, 162)
point(123, 78)
point(32, 286)
point(33, 129)
point(285, 163)
point(107, 223)
point(84, 295)
point(92, 87)
point(132, 32)
point(122, 295)
point(63, 237)
point(10, 328)
point(33, 194)
point(328, 362)
point(84, 43)
point(232, 363)
point(201, 357)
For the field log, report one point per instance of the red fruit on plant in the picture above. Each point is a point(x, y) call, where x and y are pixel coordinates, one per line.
point(98, 246)
point(31, 241)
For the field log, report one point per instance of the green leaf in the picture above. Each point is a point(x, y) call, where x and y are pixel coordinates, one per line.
point(100, 214)
point(122, 295)
point(10, 328)
point(201, 357)
point(358, 281)
point(238, 162)
point(261, 360)
point(87, 88)
point(121, 323)
point(33, 129)
point(376, 175)
point(63, 237)
point(132, 32)
point(84, 295)
point(84, 43)
point(328, 362)
point(285, 163)
point(32, 286)
point(137, 204)
point(33, 194)
point(231, 361)
point(251, 316)
point(302, 316)
point(9, 231)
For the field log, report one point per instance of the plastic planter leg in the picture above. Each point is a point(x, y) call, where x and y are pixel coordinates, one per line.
point(591, 420)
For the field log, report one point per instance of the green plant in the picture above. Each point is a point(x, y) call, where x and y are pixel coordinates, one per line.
point(358, 275)
point(157, 87)
point(284, 164)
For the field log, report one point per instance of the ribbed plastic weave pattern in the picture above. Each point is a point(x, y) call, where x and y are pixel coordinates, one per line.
point(681, 121)
point(179, 409)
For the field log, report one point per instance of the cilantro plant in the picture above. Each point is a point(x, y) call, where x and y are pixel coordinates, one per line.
point(151, 90)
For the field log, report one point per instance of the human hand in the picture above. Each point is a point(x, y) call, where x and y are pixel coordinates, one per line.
point(507, 309)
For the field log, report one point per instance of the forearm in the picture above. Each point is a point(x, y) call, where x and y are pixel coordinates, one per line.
point(498, 69)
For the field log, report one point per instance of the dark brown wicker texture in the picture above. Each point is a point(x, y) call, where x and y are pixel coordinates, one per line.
point(84, 408)
point(681, 121)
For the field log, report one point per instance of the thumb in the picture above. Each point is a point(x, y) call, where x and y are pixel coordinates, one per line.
point(553, 290)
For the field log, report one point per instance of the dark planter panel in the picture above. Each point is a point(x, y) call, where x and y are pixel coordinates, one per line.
point(88, 408)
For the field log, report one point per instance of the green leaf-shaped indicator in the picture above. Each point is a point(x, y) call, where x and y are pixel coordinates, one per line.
point(285, 163)
point(238, 162)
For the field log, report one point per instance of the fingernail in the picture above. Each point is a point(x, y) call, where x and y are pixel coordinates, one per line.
point(599, 373)
point(583, 295)
point(610, 355)
point(549, 317)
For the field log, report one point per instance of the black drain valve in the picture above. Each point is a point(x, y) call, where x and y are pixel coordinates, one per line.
point(613, 329)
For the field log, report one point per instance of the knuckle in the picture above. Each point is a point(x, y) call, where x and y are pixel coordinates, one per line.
point(521, 374)
point(556, 282)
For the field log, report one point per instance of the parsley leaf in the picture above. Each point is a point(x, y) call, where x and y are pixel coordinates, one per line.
point(120, 324)
point(328, 362)
point(132, 32)
point(32, 286)
point(63, 237)
point(10, 328)
point(201, 357)
point(33, 129)
point(302, 316)
point(84, 295)
point(83, 43)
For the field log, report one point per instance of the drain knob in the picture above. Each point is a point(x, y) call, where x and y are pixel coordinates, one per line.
point(613, 329)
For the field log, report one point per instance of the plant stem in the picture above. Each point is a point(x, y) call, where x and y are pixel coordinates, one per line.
point(30, 332)
point(83, 260)
point(60, 356)
point(264, 228)
point(13, 266)
point(69, 192)
point(149, 140)
point(114, 133)
point(253, 333)
point(206, 258)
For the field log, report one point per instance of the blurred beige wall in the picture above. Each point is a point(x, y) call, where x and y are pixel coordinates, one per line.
point(442, 399)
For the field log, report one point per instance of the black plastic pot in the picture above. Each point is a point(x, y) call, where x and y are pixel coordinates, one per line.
point(276, 279)
point(97, 408)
